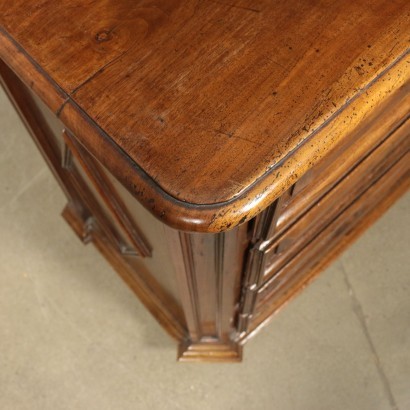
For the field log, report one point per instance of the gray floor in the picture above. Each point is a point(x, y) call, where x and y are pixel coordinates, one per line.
point(72, 336)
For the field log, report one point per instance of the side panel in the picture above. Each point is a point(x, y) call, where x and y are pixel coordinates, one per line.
point(130, 238)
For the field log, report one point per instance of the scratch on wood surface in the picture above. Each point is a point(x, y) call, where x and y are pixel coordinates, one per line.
point(234, 6)
point(90, 78)
point(235, 136)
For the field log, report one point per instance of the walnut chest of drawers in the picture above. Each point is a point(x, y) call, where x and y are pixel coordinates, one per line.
point(218, 154)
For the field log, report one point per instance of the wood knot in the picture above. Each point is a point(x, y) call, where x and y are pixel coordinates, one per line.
point(103, 35)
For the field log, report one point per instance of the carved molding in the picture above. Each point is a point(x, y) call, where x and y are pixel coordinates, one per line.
point(209, 287)
point(137, 246)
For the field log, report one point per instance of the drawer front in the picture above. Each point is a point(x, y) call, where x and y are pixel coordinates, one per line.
point(319, 180)
point(272, 264)
point(341, 160)
point(287, 245)
point(303, 266)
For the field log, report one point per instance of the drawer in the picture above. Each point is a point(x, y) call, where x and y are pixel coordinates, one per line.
point(292, 240)
point(302, 267)
point(329, 171)
point(341, 160)
point(272, 263)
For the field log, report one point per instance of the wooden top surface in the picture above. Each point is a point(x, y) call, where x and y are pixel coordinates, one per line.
point(201, 104)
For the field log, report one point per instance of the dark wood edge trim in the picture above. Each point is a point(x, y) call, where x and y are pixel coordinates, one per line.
point(182, 215)
point(330, 256)
point(210, 352)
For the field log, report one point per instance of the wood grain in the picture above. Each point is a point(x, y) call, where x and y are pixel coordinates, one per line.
point(209, 269)
point(90, 222)
point(270, 134)
point(111, 199)
point(330, 244)
point(208, 111)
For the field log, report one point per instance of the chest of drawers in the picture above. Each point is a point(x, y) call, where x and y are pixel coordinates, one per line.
point(219, 155)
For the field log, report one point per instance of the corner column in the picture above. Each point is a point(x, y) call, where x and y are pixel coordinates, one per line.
point(209, 271)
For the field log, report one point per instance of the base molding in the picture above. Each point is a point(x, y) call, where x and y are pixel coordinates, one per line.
point(82, 228)
point(210, 352)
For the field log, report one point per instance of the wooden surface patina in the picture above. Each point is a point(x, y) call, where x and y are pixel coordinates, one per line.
point(201, 108)
point(270, 134)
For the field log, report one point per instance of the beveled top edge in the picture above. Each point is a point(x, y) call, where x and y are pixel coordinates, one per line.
point(216, 217)
point(221, 216)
